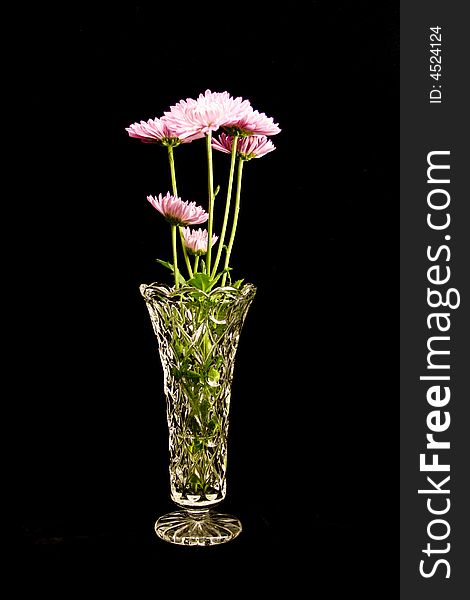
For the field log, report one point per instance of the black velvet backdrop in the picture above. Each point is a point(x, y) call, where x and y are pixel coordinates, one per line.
point(312, 442)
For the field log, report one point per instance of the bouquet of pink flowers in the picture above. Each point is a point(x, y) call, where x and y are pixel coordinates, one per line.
point(197, 323)
point(244, 137)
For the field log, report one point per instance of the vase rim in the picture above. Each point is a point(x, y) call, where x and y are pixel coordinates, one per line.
point(166, 291)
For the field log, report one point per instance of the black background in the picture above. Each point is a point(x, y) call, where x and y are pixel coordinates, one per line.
point(311, 454)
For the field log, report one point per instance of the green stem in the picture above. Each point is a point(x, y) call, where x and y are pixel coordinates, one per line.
point(196, 262)
point(210, 184)
point(175, 256)
point(235, 218)
point(227, 205)
point(171, 159)
point(185, 253)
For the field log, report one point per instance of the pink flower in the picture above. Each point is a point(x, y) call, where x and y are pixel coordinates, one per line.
point(247, 147)
point(155, 131)
point(196, 240)
point(252, 122)
point(177, 211)
point(193, 119)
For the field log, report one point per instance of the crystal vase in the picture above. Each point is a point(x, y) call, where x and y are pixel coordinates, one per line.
point(198, 335)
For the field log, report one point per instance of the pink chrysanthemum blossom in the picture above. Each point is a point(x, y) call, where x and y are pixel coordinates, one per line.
point(252, 123)
point(193, 119)
point(155, 131)
point(195, 240)
point(247, 148)
point(177, 211)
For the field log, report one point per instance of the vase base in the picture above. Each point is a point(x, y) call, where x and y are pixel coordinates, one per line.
point(197, 527)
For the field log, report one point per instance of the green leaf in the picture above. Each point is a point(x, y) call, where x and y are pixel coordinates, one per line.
point(201, 281)
point(213, 377)
point(194, 481)
point(181, 279)
point(216, 278)
point(237, 284)
point(204, 409)
point(170, 266)
point(213, 425)
point(166, 264)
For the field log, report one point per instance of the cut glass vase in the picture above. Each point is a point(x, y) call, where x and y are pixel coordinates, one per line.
point(198, 336)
